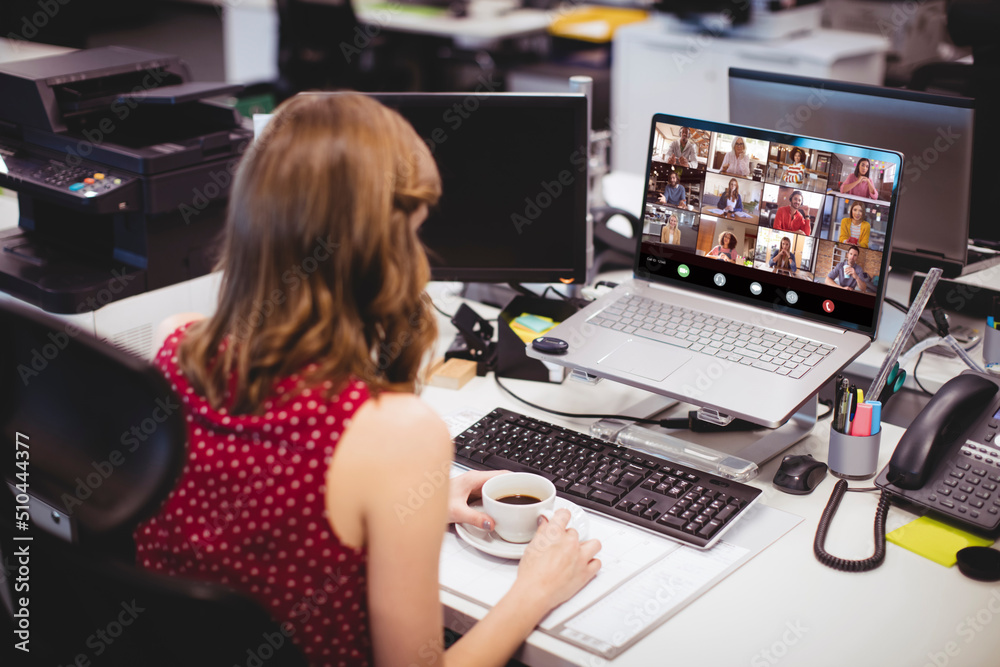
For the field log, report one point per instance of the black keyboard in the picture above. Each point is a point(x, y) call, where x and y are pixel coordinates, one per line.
point(687, 505)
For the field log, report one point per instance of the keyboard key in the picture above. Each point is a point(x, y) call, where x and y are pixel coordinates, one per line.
point(709, 528)
point(674, 522)
point(765, 366)
point(603, 497)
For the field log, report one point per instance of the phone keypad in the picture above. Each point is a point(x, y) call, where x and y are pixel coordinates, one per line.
point(969, 488)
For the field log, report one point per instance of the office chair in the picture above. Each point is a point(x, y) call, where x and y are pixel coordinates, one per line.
point(612, 250)
point(105, 442)
point(321, 46)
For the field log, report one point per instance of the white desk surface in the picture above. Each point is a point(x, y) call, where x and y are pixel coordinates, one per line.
point(400, 17)
point(468, 31)
point(783, 606)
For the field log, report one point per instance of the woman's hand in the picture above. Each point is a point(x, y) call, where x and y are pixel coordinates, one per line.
point(556, 565)
point(465, 486)
point(873, 193)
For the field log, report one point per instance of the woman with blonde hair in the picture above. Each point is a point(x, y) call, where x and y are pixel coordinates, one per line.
point(783, 259)
point(305, 432)
point(670, 232)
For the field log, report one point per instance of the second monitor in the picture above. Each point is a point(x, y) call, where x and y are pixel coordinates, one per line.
point(514, 174)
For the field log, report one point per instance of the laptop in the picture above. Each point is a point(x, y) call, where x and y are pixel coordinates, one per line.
point(759, 273)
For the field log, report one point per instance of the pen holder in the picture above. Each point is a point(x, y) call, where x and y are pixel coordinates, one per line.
point(991, 346)
point(853, 457)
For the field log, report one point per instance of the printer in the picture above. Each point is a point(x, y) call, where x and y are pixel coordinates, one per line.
point(122, 167)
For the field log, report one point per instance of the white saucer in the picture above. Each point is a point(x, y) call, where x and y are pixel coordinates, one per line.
point(489, 542)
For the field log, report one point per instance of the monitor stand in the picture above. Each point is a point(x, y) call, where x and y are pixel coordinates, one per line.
point(777, 440)
point(742, 465)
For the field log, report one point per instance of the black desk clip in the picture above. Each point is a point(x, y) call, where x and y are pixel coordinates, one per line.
point(474, 341)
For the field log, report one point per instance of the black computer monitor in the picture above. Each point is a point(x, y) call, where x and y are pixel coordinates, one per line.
point(514, 172)
point(933, 132)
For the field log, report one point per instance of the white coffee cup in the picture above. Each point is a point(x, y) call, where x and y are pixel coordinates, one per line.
point(518, 523)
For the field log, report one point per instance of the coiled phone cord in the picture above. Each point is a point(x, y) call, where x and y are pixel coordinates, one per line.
point(844, 564)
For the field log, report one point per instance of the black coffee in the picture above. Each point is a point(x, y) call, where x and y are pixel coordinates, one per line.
point(519, 499)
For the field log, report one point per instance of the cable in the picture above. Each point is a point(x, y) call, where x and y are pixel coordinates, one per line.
point(638, 420)
point(549, 288)
point(441, 311)
point(899, 306)
point(844, 564)
point(916, 379)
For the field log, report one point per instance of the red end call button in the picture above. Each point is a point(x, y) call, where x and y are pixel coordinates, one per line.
point(828, 306)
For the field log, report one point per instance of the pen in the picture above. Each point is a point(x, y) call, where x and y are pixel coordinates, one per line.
point(844, 404)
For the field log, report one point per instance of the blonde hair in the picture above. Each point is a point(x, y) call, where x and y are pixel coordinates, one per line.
point(785, 262)
point(323, 272)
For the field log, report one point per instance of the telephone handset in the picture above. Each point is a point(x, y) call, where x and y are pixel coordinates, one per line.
point(960, 401)
point(948, 462)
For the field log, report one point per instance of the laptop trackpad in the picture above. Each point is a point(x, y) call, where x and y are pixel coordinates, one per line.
point(644, 359)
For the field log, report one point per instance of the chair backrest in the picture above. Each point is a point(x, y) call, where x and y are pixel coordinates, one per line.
point(319, 45)
point(104, 430)
point(105, 442)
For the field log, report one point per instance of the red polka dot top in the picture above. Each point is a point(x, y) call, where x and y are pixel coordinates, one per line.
point(249, 512)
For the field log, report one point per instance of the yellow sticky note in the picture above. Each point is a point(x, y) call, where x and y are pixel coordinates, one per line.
point(934, 540)
point(524, 333)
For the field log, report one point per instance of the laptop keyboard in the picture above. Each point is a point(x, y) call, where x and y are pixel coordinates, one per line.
point(687, 505)
point(761, 348)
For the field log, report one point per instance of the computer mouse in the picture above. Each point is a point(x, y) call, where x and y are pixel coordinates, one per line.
point(799, 474)
point(550, 345)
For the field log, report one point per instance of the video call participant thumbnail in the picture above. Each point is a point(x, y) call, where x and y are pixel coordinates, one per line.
point(674, 194)
point(860, 183)
point(855, 229)
point(849, 274)
point(792, 218)
point(683, 151)
point(782, 260)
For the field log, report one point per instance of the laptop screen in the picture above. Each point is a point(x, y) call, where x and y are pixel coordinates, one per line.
point(798, 224)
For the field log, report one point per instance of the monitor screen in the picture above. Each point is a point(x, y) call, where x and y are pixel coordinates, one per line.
point(514, 174)
point(766, 217)
point(933, 132)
